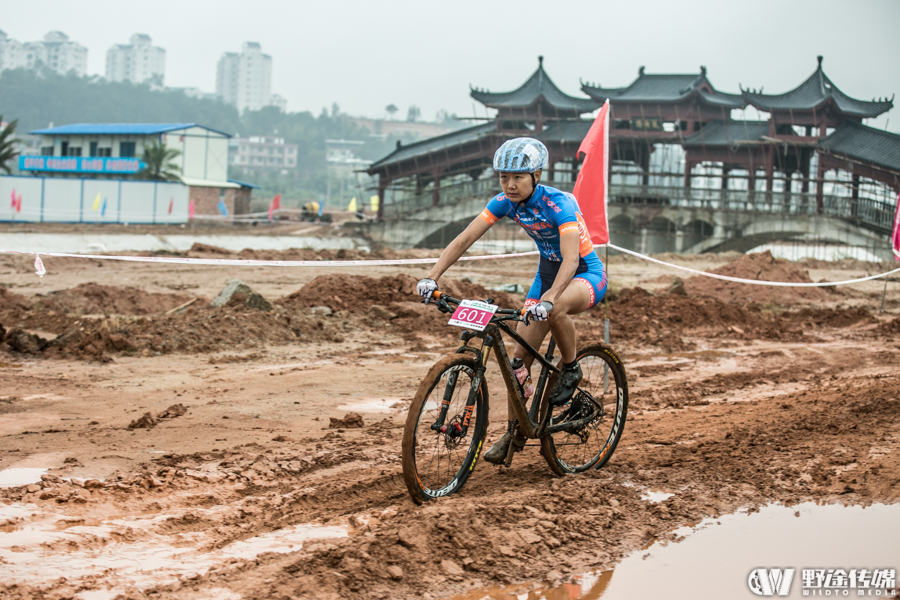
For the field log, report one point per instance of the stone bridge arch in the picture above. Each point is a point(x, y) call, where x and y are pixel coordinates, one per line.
point(646, 229)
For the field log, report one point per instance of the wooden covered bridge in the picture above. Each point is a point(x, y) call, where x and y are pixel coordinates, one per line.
point(675, 150)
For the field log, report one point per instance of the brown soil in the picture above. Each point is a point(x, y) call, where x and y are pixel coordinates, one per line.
point(760, 267)
point(265, 421)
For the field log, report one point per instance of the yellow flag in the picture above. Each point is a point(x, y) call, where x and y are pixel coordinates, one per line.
point(97, 202)
point(352, 206)
point(373, 202)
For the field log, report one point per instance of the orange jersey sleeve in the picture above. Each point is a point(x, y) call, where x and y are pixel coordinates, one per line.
point(488, 216)
point(585, 246)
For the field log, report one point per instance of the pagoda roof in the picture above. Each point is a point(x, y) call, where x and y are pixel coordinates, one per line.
point(726, 133)
point(867, 144)
point(813, 93)
point(665, 88)
point(538, 87)
point(434, 144)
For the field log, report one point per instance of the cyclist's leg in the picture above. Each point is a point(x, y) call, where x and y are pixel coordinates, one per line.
point(576, 298)
point(535, 332)
point(583, 292)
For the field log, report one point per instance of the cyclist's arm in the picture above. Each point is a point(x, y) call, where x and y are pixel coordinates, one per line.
point(458, 247)
point(568, 246)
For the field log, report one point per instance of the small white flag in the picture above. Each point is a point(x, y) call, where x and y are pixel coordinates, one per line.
point(39, 269)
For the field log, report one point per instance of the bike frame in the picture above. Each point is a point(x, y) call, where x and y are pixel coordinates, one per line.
point(531, 426)
point(533, 423)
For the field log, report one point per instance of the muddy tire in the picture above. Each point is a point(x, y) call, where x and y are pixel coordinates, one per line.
point(436, 463)
point(593, 446)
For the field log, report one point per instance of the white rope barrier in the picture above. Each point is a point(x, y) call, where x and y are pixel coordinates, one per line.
point(750, 281)
point(265, 263)
point(412, 261)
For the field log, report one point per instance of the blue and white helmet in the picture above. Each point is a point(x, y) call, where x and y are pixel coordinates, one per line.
point(521, 155)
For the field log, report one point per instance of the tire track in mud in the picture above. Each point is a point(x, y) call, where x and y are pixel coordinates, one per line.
point(835, 440)
point(814, 420)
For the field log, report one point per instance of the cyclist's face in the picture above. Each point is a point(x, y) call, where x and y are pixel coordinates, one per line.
point(518, 186)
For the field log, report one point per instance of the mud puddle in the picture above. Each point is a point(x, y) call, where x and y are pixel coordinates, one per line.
point(20, 476)
point(716, 557)
point(371, 405)
point(38, 547)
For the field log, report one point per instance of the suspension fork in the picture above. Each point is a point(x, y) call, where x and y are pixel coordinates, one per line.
point(475, 388)
point(450, 386)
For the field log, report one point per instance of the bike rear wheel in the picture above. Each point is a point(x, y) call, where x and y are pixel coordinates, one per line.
point(437, 457)
point(603, 392)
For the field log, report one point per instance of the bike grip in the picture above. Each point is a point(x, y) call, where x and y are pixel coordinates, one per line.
point(436, 295)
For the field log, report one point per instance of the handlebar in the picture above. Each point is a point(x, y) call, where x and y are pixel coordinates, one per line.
point(443, 301)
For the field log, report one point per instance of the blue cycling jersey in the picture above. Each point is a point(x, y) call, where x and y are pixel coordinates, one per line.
point(545, 216)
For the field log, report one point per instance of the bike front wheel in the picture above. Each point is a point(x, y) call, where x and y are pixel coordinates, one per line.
point(444, 434)
point(597, 411)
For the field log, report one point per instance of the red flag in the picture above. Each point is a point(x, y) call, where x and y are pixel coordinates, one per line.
point(592, 187)
point(191, 209)
point(171, 204)
point(896, 237)
point(19, 203)
point(276, 204)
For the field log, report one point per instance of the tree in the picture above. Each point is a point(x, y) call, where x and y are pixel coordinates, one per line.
point(157, 165)
point(8, 150)
point(391, 109)
point(413, 114)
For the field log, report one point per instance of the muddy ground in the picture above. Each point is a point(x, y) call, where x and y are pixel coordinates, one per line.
point(180, 440)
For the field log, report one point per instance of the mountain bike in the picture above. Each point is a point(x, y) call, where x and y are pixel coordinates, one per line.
point(447, 420)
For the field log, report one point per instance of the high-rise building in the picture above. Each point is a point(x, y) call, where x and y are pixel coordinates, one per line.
point(12, 55)
point(245, 79)
point(137, 62)
point(56, 53)
point(262, 152)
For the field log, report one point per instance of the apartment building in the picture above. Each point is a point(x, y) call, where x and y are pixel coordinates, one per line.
point(138, 62)
point(56, 53)
point(245, 79)
point(262, 152)
point(12, 53)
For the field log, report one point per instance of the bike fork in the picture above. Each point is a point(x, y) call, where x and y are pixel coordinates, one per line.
point(450, 387)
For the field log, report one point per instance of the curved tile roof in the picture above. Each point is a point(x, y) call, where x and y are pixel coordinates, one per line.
point(538, 87)
point(725, 133)
point(434, 144)
point(813, 93)
point(863, 143)
point(665, 88)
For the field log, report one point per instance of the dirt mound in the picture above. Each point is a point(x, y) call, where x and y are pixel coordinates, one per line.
point(94, 298)
point(638, 312)
point(760, 267)
point(831, 317)
point(193, 330)
point(11, 301)
point(208, 249)
point(889, 329)
point(352, 292)
point(355, 293)
point(661, 320)
point(351, 420)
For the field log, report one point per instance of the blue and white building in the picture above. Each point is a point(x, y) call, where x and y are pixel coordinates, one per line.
point(87, 172)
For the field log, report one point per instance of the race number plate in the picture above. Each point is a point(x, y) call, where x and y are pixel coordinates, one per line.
point(472, 314)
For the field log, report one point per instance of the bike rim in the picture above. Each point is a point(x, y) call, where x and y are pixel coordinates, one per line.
point(576, 452)
point(443, 461)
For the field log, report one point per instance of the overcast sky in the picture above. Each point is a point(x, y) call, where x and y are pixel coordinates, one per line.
point(366, 54)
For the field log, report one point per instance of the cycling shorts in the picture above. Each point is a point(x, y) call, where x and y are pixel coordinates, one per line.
point(592, 274)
